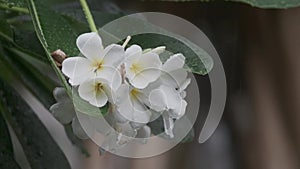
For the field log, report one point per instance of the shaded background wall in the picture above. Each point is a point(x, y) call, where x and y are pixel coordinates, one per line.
point(260, 50)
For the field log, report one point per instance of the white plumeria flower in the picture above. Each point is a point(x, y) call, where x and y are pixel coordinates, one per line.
point(97, 61)
point(167, 100)
point(130, 104)
point(99, 91)
point(64, 112)
point(123, 131)
point(141, 68)
point(168, 92)
point(173, 73)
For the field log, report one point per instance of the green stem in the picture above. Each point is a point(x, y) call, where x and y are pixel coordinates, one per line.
point(14, 8)
point(88, 15)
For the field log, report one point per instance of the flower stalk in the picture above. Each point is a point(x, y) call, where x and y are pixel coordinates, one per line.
point(88, 15)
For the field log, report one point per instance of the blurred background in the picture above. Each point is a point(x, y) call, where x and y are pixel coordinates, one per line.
point(260, 51)
point(260, 128)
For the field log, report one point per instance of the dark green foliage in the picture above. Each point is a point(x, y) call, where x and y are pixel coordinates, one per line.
point(41, 150)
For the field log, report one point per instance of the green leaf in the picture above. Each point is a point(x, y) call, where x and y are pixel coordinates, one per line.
point(258, 3)
point(34, 48)
point(271, 3)
point(36, 82)
point(26, 68)
point(52, 29)
point(54, 32)
point(5, 31)
point(197, 60)
point(18, 6)
point(41, 150)
point(19, 38)
point(14, 3)
point(6, 148)
point(193, 62)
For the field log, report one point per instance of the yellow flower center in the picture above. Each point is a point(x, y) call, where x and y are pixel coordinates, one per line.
point(97, 65)
point(134, 93)
point(135, 67)
point(98, 87)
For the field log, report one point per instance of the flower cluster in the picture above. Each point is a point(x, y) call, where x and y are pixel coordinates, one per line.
point(134, 82)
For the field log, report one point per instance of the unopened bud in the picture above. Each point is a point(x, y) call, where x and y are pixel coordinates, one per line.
point(59, 56)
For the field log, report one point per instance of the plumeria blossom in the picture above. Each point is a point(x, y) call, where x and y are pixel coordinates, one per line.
point(125, 131)
point(141, 67)
point(173, 73)
point(98, 91)
point(64, 112)
point(96, 61)
point(167, 96)
point(168, 100)
point(130, 104)
point(134, 83)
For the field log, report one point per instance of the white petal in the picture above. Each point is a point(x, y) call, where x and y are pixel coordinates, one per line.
point(111, 94)
point(139, 81)
point(133, 50)
point(78, 130)
point(179, 111)
point(175, 61)
point(173, 98)
point(137, 125)
point(150, 66)
point(113, 55)
point(157, 99)
point(150, 61)
point(183, 94)
point(63, 111)
point(122, 93)
point(131, 108)
point(144, 132)
point(124, 105)
point(159, 50)
point(168, 124)
point(60, 94)
point(174, 78)
point(112, 75)
point(80, 79)
point(184, 85)
point(147, 50)
point(77, 69)
point(88, 92)
point(100, 99)
point(141, 114)
point(90, 45)
point(117, 116)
